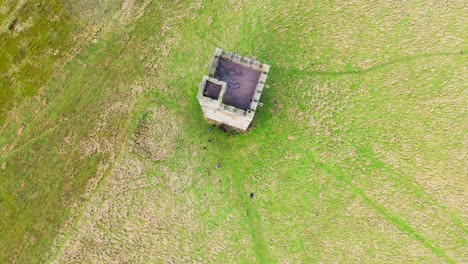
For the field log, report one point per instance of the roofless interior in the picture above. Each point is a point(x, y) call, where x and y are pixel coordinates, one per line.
point(212, 90)
point(241, 82)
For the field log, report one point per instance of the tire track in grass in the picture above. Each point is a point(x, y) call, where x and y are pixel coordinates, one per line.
point(123, 134)
point(409, 183)
point(395, 220)
point(253, 220)
point(252, 216)
point(376, 67)
point(420, 192)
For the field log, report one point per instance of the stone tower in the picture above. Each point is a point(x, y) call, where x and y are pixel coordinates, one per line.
point(231, 92)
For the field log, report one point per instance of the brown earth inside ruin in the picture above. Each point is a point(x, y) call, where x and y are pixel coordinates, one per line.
point(241, 82)
point(212, 90)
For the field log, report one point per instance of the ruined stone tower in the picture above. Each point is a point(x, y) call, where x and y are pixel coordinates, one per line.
point(231, 92)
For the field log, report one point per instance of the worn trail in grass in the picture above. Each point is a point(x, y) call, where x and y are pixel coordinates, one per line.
point(356, 156)
point(340, 203)
point(393, 219)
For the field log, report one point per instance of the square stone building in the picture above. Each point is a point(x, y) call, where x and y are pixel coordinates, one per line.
point(231, 92)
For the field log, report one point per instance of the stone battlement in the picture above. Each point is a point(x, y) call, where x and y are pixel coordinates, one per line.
point(230, 94)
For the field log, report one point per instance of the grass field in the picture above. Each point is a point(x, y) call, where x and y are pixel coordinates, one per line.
point(357, 156)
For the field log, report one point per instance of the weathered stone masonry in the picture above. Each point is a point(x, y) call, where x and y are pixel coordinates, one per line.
point(230, 94)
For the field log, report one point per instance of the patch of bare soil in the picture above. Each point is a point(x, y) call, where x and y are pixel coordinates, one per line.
point(20, 130)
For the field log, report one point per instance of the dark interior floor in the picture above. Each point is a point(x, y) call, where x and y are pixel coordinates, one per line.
point(241, 82)
point(212, 90)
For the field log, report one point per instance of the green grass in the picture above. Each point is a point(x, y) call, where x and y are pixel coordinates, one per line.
point(356, 156)
point(33, 48)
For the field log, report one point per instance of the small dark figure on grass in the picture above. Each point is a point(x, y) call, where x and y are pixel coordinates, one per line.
point(224, 127)
point(252, 195)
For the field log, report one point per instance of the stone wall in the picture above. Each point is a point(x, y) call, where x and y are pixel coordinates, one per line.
point(218, 112)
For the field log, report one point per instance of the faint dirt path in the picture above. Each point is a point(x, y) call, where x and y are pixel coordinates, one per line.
point(380, 66)
point(122, 139)
point(388, 216)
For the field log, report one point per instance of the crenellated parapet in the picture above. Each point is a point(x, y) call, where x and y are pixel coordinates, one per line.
point(231, 92)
